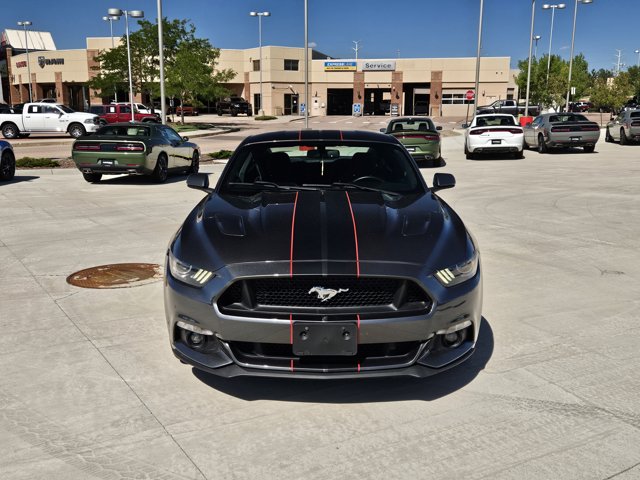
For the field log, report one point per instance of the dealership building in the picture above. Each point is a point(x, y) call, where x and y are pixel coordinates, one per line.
point(403, 86)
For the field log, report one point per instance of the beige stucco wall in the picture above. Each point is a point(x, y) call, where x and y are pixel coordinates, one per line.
point(75, 68)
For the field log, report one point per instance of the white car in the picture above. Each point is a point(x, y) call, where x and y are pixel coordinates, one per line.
point(493, 133)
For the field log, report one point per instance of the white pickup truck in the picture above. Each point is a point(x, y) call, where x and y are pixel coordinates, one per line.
point(47, 118)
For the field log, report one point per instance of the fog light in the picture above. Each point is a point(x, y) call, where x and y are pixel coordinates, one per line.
point(454, 339)
point(196, 339)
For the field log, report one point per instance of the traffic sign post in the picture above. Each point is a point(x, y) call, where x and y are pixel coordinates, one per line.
point(469, 95)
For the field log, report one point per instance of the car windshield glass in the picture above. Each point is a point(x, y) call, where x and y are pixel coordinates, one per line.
point(417, 124)
point(124, 131)
point(65, 109)
point(568, 118)
point(382, 167)
point(494, 120)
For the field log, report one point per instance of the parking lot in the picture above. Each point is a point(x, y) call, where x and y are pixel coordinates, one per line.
point(90, 389)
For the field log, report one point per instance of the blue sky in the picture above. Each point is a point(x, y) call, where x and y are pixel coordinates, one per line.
point(415, 28)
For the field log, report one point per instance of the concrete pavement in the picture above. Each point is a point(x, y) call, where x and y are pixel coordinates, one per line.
point(90, 390)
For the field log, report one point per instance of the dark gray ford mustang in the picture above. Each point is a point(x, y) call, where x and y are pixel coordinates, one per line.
point(322, 254)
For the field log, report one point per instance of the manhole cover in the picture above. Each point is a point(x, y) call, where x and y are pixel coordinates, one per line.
point(118, 275)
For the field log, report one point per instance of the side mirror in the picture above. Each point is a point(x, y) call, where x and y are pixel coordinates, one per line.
point(199, 181)
point(465, 125)
point(528, 124)
point(442, 181)
point(383, 130)
point(185, 139)
point(439, 127)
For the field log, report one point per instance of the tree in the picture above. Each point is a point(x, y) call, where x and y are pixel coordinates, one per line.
point(192, 73)
point(145, 63)
point(609, 95)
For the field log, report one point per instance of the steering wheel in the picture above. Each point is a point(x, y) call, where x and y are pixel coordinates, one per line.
point(368, 177)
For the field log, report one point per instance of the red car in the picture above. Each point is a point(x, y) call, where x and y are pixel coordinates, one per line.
point(116, 113)
point(187, 109)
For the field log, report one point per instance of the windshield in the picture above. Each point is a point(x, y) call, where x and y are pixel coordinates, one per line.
point(495, 120)
point(381, 167)
point(409, 125)
point(124, 131)
point(568, 118)
point(66, 109)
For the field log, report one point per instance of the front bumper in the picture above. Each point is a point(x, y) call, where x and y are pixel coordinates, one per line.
point(244, 346)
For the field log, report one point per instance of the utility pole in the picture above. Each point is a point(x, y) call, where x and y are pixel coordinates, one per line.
point(618, 63)
point(356, 48)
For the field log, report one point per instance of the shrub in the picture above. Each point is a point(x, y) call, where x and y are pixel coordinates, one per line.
point(31, 162)
point(265, 117)
point(221, 154)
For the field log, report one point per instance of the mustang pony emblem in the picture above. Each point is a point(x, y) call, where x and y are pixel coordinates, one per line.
point(325, 294)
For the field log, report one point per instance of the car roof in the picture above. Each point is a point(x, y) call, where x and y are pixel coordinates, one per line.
point(320, 135)
point(416, 118)
point(494, 115)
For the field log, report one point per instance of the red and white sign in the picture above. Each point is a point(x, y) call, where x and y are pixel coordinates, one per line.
point(469, 95)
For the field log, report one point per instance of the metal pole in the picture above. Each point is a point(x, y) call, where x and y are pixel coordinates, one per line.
point(26, 45)
point(260, 44)
point(115, 89)
point(161, 56)
point(573, 36)
point(475, 96)
point(306, 65)
point(126, 22)
point(553, 12)
point(533, 16)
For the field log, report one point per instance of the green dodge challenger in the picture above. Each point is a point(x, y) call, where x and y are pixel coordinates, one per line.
point(135, 148)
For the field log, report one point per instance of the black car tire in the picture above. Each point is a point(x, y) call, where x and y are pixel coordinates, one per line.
point(234, 112)
point(160, 173)
point(519, 154)
point(76, 130)
point(219, 112)
point(195, 163)
point(467, 153)
point(10, 130)
point(607, 136)
point(589, 148)
point(623, 137)
point(542, 145)
point(92, 177)
point(7, 165)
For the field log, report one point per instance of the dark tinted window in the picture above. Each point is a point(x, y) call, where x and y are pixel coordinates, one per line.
point(97, 109)
point(124, 130)
point(408, 125)
point(377, 165)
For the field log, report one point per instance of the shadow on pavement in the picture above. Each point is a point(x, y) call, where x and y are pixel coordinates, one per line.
point(358, 391)
point(20, 178)
point(141, 179)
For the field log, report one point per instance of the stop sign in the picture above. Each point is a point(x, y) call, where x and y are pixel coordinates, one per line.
point(469, 95)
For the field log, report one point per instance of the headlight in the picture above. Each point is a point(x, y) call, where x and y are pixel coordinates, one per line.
point(459, 273)
point(90, 120)
point(194, 276)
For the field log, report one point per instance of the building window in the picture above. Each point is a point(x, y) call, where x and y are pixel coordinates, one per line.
point(256, 65)
point(291, 64)
point(510, 92)
point(455, 99)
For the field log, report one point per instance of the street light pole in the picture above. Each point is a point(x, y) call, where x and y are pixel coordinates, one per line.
point(533, 17)
point(573, 36)
point(475, 96)
point(161, 57)
point(306, 64)
point(111, 19)
point(116, 12)
point(260, 15)
point(546, 6)
point(25, 24)
point(638, 52)
point(535, 50)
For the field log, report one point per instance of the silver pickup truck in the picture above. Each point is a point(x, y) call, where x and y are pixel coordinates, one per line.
point(47, 118)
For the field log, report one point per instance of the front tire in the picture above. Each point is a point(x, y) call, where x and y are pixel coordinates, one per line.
point(161, 172)
point(623, 137)
point(542, 145)
point(607, 136)
point(92, 177)
point(10, 130)
point(7, 165)
point(76, 130)
point(195, 163)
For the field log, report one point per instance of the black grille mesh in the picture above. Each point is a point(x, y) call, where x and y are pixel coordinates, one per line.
point(295, 292)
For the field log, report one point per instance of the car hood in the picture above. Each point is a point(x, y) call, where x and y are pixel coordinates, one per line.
point(323, 232)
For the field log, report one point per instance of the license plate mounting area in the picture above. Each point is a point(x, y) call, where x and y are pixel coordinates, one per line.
point(325, 338)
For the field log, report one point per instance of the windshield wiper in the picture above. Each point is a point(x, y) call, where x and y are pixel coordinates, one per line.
point(270, 185)
point(362, 187)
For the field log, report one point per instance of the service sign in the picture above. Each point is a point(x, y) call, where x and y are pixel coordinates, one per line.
point(50, 61)
point(340, 66)
point(379, 66)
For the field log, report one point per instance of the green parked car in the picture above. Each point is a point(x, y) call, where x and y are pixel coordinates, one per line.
point(135, 148)
point(420, 137)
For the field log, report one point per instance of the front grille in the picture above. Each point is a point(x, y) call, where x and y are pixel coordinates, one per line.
point(341, 295)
